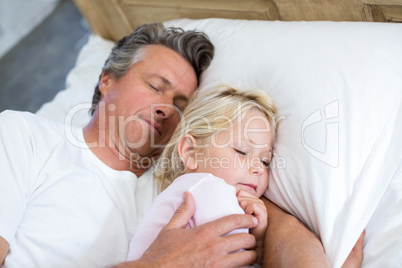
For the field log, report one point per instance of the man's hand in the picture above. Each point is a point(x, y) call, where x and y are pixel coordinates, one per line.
point(255, 207)
point(355, 257)
point(200, 246)
point(4, 246)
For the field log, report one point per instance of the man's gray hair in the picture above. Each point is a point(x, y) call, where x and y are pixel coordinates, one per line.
point(193, 46)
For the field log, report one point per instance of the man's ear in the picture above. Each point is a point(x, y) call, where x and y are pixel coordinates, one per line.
point(186, 149)
point(104, 82)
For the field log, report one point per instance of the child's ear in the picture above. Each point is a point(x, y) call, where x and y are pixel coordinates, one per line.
point(186, 149)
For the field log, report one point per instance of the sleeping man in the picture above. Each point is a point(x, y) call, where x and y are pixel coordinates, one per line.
point(72, 200)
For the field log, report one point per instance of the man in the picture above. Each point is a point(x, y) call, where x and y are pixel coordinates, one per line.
point(61, 205)
point(71, 201)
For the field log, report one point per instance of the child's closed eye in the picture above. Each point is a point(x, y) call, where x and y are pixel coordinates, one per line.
point(240, 151)
point(265, 163)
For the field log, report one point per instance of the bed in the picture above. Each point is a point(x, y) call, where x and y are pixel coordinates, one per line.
point(334, 69)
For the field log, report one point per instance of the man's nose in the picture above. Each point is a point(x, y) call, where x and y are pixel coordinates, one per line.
point(164, 111)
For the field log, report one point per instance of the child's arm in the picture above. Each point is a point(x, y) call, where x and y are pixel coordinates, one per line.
point(214, 199)
point(255, 207)
point(201, 246)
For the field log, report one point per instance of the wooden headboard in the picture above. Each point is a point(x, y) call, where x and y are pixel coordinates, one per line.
point(113, 19)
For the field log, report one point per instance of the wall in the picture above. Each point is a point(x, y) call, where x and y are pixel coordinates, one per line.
point(19, 17)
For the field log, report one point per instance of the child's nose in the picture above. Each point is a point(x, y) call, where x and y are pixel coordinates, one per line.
point(256, 168)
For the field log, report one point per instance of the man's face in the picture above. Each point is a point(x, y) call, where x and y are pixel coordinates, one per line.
point(143, 107)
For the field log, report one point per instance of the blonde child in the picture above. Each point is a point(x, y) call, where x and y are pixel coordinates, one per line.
point(220, 153)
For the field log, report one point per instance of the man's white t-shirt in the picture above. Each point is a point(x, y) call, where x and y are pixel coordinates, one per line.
point(60, 206)
point(213, 197)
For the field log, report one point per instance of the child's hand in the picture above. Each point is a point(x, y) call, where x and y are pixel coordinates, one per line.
point(255, 207)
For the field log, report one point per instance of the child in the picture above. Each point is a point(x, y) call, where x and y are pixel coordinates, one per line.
point(220, 152)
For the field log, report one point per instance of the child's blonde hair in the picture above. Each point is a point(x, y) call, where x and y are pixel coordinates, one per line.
point(208, 113)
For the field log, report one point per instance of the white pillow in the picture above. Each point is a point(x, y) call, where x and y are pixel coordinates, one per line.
point(338, 87)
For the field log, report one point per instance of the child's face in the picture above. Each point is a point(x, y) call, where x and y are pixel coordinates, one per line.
point(241, 154)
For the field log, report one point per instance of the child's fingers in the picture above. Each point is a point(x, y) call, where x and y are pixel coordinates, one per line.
point(242, 193)
point(251, 206)
point(246, 198)
point(254, 208)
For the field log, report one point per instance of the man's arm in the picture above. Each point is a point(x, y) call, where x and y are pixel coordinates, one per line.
point(289, 243)
point(4, 246)
point(200, 246)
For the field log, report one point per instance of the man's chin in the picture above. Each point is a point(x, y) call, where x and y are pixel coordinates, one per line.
point(143, 156)
point(141, 162)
